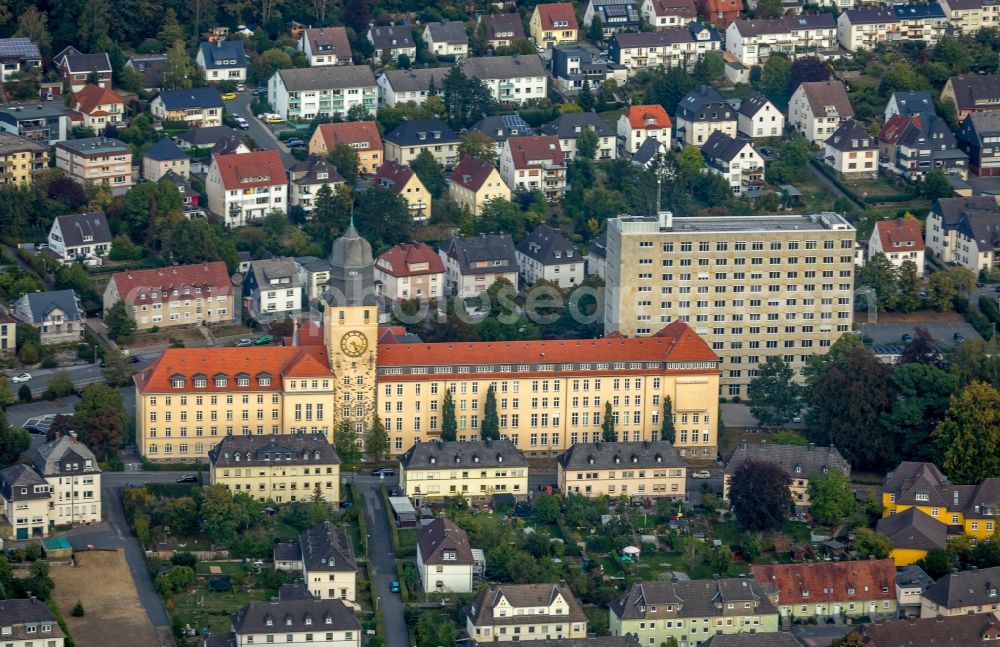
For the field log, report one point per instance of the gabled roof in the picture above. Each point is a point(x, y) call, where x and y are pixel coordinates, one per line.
point(520, 596)
point(48, 456)
point(704, 103)
point(208, 136)
point(785, 24)
point(84, 228)
point(403, 259)
point(451, 32)
point(752, 640)
point(794, 459)
point(870, 16)
point(165, 149)
point(315, 169)
point(754, 104)
point(76, 62)
point(294, 616)
point(17, 613)
point(391, 36)
point(559, 15)
point(647, 150)
point(827, 98)
point(671, 600)
point(179, 181)
point(976, 587)
point(721, 147)
point(484, 453)
point(19, 476)
point(913, 530)
point(983, 227)
point(894, 128)
point(911, 478)
point(224, 54)
point(394, 176)
point(191, 98)
point(643, 116)
point(870, 579)
point(976, 91)
point(415, 80)
point(914, 11)
point(354, 132)
point(683, 8)
point(931, 632)
point(549, 247)
point(500, 127)
point(326, 547)
point(158, 285)
point(979, 125)
point(531, 151)
point(900, 234)
point(951, 209)
point(442, 535)
point(669, 36)
point(421, 132)
point(266, 270)
point(471, 173)
point(148, 66)
point(251, 170)
point(571, 124)
point(640, 455)
point(329, 77)
point(328, 40)
point(716, 7)
point(850, 136)
point(90, 97)
point(503, 23)
point(470, 251)
point(913, 102)
point(286, 449)
point(503, 67)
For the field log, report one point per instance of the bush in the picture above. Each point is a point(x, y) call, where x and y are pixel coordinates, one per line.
point(184, 559)
point(24, 393)
point(988, 306)
point(78, 610)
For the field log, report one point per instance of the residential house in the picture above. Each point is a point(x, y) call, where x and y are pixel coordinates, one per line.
point(752, 41)
point(720, 13)
point(597, 255)
point(967, 17)
point(74, 478)
point(362, 136)
point(174, 296)
point(914, 145)
point(546, 254)
point(473, 263)
point(410, 271)
point(20, 158)
point(412, 137)
point(913, 534)
point(45, 122)
point(276, 468)
point(665, 14)
point(392, 41)
point(164, 156)
point(649, 151)
point(899, 240)
point(736, 160)
point(307, 177)
point(574, 64)
point(534, 163)
point(398, 87)
point(57, 315)
point(962, 594)
point(960, 630)
point(641, 122)
point(909, 103)
point(78, 69)
point(552, 24)
point(974, 93)
point(851, 151)
point(921, 23)
point(502, 29)
point(325, 555)
point(100, 160)
point(148, 67)
point(689, 612)
point(196, 107)
point(474, 182)
point(977, 137)
point(911, 582)
point(511, 79)
point(669, 47)
point(8, 333)
point(28, 622)
point(943, 225)
point(314, 274)
point(207, 137)
point(478, 469)
point(500, 128)
point(525, 612)
point(16, 55)
point(569, 127)
point(272, 286)
point(702, 112)
point(446, 38)
point(825, 590)
point(79, 237)
point(326, 46)
point(444, 557)
point(639, 469)
point(223, 60)
point(402, 181)
point(245, 187)
point(306, 620)
point(96, 107)
point(817, 108)
point(801, 463)
point(866, 27)
point(303, 94)
point(758, 118)
point(614, 15)
point(24, 500)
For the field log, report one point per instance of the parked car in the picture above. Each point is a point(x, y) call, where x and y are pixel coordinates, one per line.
point(187, 478)
point(21, 377)
point(701, 474)
point(42, 246)
point(240, 87)
point(394, 587)
point(385, 471)
point(907, 337)
point(246, 341)
point(262, 340)
point(135, 359)
point(242, 123)
point(295, 142)
point(959, 339)
point(228, 96)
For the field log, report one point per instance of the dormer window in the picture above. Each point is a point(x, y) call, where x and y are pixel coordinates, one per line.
point(243, 380)
point(221, 381)
point(922, 496)
point(177, 381)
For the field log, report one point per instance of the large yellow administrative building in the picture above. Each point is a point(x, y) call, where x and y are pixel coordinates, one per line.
point(550, 394)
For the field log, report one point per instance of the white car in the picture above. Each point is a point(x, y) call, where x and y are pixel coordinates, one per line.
point(23, 377)
point(701, 474)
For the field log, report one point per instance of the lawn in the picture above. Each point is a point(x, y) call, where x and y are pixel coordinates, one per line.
point(611, 118)
point(407, 542)
point(202, 608)
point(879, 186)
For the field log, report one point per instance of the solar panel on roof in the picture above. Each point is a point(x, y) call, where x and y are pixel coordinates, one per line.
point(18, 47)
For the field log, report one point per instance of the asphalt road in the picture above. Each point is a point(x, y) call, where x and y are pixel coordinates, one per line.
point(82, 374)
point(260, 132)
point(892, 333)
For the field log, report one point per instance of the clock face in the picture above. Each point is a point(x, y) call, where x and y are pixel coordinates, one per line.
point(354, 343)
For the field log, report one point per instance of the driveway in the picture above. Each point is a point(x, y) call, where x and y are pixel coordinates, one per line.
point(261, 134)
point(382, 560)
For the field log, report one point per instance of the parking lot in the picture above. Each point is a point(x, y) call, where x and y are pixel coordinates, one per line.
point(943, 333)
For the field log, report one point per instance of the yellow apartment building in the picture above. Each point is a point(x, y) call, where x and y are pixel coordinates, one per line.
point(19, 157)
point(649, 468)
point(473, 469)
point(525, 612)
point(282, 469)
point(174, 296)
point(552, 24)
point(473, 182)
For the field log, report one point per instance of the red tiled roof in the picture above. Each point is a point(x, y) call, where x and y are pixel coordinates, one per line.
point(159, 284)
point(675, 8)
point(398, 259)
point(872, 579)
point(900, 231)
point(91, 96)
point(251, 170)
point(277, 361)
point(472, 172)
point(335, 37)
point(535, 148)
point(724, 6)
point(561, 11)
point(393, 176)
point(638, 116)
point(895, 127)
point(354, 132)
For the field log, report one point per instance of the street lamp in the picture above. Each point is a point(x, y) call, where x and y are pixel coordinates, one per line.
point(95, 353)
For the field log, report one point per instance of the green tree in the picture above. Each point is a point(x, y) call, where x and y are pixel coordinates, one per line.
point(852, 639)
point(908, 287)
point(830, 496)
point(774, 395)
point(879, 274)
point(171, 31)
point(595, 33)
point(100, 419)
point(969, 435)
point(33, 24)
point(24, 393)
point(383, 217)
point(871, 544)
point(789, 437)
point(60, 385)
point(585, 98)
point(546, 508)
point(92, 24)
point(690, 162)
point(377, 440)
point(14, 441)
point(586, 144)
point(924, 394)
point(73, 276)
point(78, 610)
point(119, 321)
point(668, 431)
point(936, 186)
point(669, 87)
point(449, 425)
point(431, 173)
point(770, 9)
point(177, 70)
point(466, 100)
point(759, 495)
point(936, 563)
point(608, 434)
point(182, 515)
point(345, 441)
point(490, 429)
point(775, 78)
point(271, 61)
point(345, 160)
point(477, 144)
point(149, 211)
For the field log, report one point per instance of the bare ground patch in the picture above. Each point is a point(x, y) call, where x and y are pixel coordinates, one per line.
point(114, 616)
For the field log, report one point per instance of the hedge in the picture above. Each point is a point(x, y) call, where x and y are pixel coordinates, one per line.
point(393, 530)
point(404, 590)
point(898, 197)
point(988, 306)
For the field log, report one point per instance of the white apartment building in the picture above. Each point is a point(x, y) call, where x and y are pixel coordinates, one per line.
point(74, 477)
point(511, 79)
point(817, 108)
point(245, 187)
point(967, 17)
point(752, 41)
point(669, 47)
point(865, 27)
point(758, 118)
point(302, 94)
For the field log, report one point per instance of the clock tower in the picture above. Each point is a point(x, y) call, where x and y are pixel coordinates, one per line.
point(350, 330)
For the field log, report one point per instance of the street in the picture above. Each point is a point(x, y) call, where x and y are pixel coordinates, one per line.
point(259, 132)
point(82, 374)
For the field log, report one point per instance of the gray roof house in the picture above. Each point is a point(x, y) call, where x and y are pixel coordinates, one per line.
point(444, 557)
point(148, 66)
point(487, 453)
point(56, 314)
point(80, 236)
point(24, 501)
point(206, 137)
point(310, 175)
point(27, 621)
point(328, 549)
point(500, 127)
point(701, 112)
point(470, 260)
point(286, 449)
point(909, 103)
point(641, 454)
point(969, 591)
point(394, 39)
point(223, 60)
point(273, 286)
point(546, 254)
point(402, 86)
point(447, 38)
point(798, 461)
point(305, 93)
point(258, 621)
point(913, 529)
point(64, 456)
point(515, 78)
point(568, 128)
